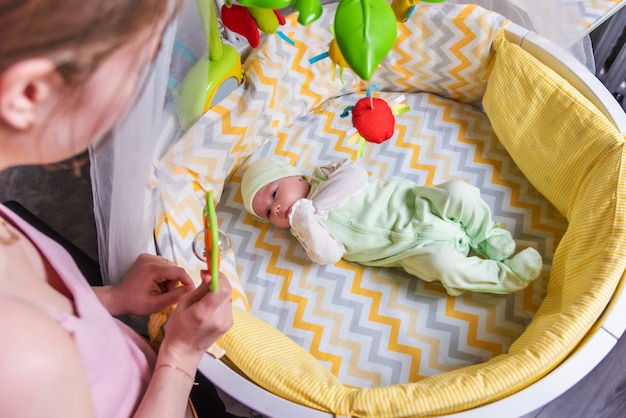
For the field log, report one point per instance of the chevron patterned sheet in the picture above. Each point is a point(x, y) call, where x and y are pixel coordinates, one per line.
point(376, 327)
point(370, 327)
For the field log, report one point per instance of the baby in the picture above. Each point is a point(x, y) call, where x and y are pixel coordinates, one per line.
point(342, 212)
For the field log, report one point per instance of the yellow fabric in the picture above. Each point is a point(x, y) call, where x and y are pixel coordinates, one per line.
point(573, 155)
point(561, 126)
point(278, 364)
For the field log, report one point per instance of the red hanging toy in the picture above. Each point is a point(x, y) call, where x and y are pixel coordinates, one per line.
point(373, 119)
point(247, 21)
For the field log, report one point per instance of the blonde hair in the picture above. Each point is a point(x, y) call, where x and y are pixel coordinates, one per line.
point(76, 34)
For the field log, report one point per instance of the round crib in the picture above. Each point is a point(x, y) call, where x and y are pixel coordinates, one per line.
point(558, 126)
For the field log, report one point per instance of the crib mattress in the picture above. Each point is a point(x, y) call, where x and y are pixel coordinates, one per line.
point(375, 327)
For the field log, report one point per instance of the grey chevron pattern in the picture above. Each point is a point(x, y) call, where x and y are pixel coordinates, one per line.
point(376, 327)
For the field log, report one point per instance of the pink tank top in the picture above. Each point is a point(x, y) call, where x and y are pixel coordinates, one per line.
point(118, 361)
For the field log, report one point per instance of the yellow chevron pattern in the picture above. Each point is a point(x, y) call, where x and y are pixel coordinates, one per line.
point(376, 342)
point(438, 140)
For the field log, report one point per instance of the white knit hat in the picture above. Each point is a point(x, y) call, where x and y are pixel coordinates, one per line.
point(261, 173)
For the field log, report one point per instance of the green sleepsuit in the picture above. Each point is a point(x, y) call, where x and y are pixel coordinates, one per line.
point(427, 231)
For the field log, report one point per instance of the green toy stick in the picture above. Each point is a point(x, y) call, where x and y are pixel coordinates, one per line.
point(210, 237)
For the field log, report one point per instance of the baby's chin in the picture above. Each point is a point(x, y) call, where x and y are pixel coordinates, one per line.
point(282, 226)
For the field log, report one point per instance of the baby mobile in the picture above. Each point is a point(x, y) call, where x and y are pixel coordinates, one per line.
point(364, 33)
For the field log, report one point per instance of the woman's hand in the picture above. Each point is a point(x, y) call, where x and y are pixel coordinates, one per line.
point(151, 284)
point(199, 319)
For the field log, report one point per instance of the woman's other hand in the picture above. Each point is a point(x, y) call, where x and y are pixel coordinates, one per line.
point(151, 284)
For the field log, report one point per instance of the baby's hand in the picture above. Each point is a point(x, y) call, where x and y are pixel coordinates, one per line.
point(300, 211)
point(309, 228)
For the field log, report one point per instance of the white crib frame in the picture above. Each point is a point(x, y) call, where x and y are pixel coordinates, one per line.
point(598, 343)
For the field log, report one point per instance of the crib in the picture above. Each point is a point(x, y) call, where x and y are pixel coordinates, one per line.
point(492, 103)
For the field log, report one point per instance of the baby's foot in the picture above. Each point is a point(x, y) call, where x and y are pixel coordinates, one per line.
point(526, 264)
point(499, 246)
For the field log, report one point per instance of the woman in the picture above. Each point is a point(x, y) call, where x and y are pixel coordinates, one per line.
point(67, 72)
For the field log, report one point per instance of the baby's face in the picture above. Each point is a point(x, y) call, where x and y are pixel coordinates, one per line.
point(273, 201)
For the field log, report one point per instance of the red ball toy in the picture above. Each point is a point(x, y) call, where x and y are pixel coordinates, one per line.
point(373, 119)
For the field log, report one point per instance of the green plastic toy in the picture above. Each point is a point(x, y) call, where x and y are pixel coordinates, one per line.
point(211, 241)
point(365, 31)
point(213, 76)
